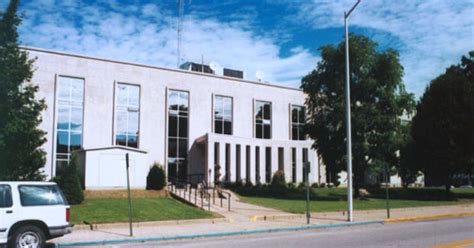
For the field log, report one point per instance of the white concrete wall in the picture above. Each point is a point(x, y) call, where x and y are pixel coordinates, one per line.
point(101, 76)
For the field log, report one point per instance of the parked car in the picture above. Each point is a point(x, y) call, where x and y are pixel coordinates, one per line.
point(31, 213)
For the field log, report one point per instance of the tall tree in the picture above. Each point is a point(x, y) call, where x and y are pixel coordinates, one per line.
point(21, 157)
point(378, 99)
point(443, 127)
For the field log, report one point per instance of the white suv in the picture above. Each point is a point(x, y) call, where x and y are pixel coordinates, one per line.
point(31, 213)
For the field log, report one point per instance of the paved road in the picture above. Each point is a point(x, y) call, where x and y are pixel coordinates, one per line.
point(404, 234)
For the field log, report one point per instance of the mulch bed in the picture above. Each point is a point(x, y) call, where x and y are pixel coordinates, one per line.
point(114, 193)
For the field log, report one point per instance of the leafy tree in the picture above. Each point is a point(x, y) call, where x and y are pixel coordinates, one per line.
point(70, 182)
point(408, 168)
point(156, 178)
point(378, 99)
point(21, 157)
point(443, 128)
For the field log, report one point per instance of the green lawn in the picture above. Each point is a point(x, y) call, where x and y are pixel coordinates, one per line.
point(107, 210)
point(335, 200)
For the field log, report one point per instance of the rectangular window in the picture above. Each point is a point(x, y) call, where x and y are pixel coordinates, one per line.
point(40, 195)
point(237, 163)
point(227, 163)
point(247, 163)
point(281, 159)
point(298, 120)
point(217, 166)
point(268, 164)
point(257, 164)
point(5, 196)
point(178, 113)
point(305, 159)
point(223, 115)
point(293, 165)
point(127, 114)
point(263, 120)
point(69, 123)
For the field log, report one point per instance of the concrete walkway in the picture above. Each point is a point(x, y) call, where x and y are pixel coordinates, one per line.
point(244, 217)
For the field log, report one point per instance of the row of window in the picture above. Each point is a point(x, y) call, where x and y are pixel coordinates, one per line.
point(70, 104)
point(226, 170)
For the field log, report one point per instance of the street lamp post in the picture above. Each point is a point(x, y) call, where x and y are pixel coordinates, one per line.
point(348, 117)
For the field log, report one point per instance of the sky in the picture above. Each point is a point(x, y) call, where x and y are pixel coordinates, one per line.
point(278, 37)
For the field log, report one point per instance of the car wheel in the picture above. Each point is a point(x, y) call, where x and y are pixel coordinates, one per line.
point(28, 236)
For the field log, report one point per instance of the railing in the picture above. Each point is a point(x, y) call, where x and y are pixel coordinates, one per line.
point(221, 195)
point(180, 187)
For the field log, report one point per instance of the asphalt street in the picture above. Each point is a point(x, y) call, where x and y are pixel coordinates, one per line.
point(401, 234)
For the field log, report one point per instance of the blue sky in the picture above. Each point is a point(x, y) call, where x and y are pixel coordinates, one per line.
point(279, 37)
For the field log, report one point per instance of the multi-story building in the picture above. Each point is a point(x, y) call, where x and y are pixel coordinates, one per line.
point(193, 123)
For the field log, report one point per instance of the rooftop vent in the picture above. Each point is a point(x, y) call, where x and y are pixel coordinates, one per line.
point(190, 66)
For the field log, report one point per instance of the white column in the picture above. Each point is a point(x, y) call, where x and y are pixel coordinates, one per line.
point(299, 165)
point(288, 164)
point(210, 161)
point(233, 162)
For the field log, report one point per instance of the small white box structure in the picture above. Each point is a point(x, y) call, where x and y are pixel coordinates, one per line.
point(105, 168)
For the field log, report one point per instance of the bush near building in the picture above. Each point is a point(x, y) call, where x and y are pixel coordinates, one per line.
point(70, 182)
point(156, 179)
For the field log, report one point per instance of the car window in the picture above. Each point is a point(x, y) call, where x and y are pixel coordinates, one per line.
point(40, 195)
point(5, 196)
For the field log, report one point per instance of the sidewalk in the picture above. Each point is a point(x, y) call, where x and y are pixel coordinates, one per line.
point(245, 217)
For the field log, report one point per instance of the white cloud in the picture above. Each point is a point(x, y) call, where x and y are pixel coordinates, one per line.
point(435, 34)
point(118, 32)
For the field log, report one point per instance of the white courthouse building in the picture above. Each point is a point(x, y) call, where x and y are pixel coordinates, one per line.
point(190, 120)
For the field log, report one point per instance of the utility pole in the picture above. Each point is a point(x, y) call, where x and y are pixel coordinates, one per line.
point(129, 196)
point(307, 166)
point(348, 117)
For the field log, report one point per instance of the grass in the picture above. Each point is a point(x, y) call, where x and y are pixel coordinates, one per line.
point(111, 210)
point(334, 199)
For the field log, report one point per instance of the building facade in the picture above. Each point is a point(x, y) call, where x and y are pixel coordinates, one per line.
point(198, 125)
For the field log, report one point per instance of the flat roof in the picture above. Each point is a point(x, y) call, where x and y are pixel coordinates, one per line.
point(154, 67)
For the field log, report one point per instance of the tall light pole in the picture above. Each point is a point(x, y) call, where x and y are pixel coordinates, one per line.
point(348, 117)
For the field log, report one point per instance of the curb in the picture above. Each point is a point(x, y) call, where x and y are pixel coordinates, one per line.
point(429, 217)
point(214, 234)
point(106, 226)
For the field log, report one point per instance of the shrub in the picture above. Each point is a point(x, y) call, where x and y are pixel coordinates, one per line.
point(70, 182)
point(291, 185)
point(156, 179)
point(279, 179)
point(302, 185)
point(315, 185)
point(322, 185)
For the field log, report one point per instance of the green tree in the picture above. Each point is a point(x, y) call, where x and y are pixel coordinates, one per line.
point(408, 168)
point(70, 182)
point(378, 99)
point(443, 127)
point(21, 157)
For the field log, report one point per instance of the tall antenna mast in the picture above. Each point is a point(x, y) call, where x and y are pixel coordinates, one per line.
point(180, 29)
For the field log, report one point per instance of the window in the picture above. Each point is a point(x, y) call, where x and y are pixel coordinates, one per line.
point(237, 163)
point(293, 165)
point(263, 120)
point(298, 119)
point(69, 123)
point(305, 159)
point(5, 196)
point(40, 195)
point(127, 114)
point(217, 167)
point(268, 164)
point(247, 163)
point(227, 163)
point(178, 113)
point(223, 115)
point(257, 164)
point(281, 159)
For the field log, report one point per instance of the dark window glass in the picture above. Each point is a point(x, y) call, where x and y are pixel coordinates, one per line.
point(293, 165)
point(305, 159)
point(178, 106)
point(217, 165)
point(298, 120)
point(257, 164)
point(39, 195)
point(127, 114)
point(227, 162)
point(183, 127)
point(268, 164)
point(263, 120)
point(237, 163)
point(247, 163)
point(223, 115)
point(281, 159)
point(5, 196)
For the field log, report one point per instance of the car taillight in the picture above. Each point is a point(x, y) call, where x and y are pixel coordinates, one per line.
point(68, 214)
